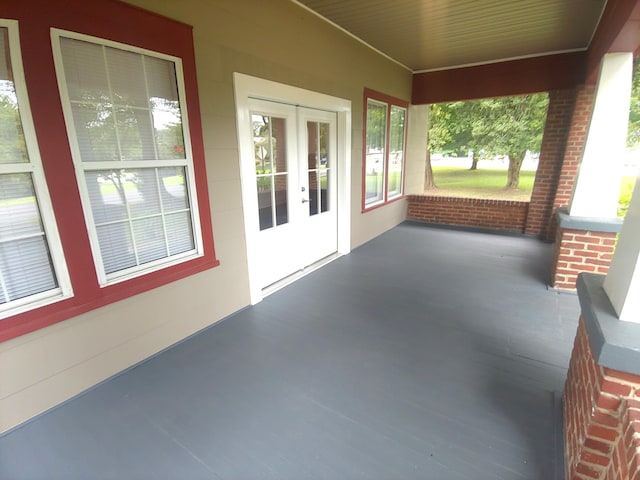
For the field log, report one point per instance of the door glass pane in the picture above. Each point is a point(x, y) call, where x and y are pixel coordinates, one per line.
point(281, 198)
point(270, 153)
point(312, 145)
point(396, 151)
point(324, 166)
point(313, 193)
point(374, 151)
point(318, 166)
point(265, 201)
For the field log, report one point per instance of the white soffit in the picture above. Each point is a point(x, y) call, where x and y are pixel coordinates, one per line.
point(429, 35)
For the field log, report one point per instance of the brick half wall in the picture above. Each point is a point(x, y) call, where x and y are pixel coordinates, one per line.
point(504, 215)
point(601, 418)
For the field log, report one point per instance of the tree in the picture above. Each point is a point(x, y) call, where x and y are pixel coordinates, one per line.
point(492, 126)
point(633, 134)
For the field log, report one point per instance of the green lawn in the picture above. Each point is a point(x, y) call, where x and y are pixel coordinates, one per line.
point(485, 183)
point(482, 183)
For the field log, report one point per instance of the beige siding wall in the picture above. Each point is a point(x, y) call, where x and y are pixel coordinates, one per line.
point(276, 40)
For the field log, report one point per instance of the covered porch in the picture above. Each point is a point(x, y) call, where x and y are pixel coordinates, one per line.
point(425, 353)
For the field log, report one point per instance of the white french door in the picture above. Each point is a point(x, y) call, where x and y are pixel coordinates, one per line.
point(295, 155)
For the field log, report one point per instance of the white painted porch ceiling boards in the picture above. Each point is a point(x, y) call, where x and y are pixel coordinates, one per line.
point(427, 35)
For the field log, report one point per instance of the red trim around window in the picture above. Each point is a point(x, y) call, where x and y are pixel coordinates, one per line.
point(116, 21)
point(390, 101)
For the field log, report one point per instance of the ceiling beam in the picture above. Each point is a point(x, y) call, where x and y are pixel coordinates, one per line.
point(515, 77)
point(618, 31)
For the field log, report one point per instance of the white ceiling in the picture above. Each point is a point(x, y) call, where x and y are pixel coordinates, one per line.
point(426, 35)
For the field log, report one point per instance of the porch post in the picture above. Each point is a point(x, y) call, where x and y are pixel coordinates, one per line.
point(416, 149)
point(586, 234)
point(622, 284)
point(598, 184)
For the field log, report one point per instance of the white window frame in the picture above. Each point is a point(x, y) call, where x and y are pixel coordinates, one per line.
point(34, 167)
point(105, 279)
point(389, 195)
point(377, 98)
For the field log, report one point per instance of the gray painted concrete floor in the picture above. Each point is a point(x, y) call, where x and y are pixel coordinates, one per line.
point(426, 354)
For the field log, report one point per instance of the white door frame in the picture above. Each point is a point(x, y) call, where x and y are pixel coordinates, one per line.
point(246, 87)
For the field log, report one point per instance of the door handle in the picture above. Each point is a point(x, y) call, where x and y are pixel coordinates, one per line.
point(305, 200)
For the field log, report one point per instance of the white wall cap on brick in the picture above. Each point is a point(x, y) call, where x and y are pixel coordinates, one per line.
point(598, 184)
point(622, 284)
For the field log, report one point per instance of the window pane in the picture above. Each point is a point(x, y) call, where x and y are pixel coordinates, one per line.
point(261, 127)
point(25, 268)
point(135, 134)
point(165, 107)
point(312, 145)
point(126, 107)
point(282, 208)
point(85, 71)
point(126, 76)
point(173, 189)
point(313, 193)
point(149, 239)
point(324, 164)
point(131, 210)
point(375, 152)
point(95, 132)
point(269, 146)
point(116, 247)
point(265, 202)
point(396, 150)
point(25, 263)
point(324, 191)
point(12, 145)
point(179, 233)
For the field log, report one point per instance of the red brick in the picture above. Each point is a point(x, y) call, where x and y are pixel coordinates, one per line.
point(605, 419)
point(627, 377)
point(587, 470)
point(608, 402)
point(616, 388)
point(594, 458)
point(597, 445)
point(602, 433)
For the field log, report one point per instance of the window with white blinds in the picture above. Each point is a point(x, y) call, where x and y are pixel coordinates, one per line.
point(127, 125)
point(32, 268)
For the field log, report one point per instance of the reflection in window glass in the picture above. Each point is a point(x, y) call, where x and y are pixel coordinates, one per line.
point(25, 264)
point(269, 145)
point(126, 110)
point(375, 152)
point(383, 171)
point(318, 166)
point(125, 105)
point(396, 151)
point(141, 215)
point(26, 267)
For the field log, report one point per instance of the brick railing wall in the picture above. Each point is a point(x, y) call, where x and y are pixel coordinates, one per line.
point(601, 418)
point(471, 212)
point(577, 251)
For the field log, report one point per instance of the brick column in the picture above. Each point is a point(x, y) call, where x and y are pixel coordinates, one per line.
point(585, 95)
point(577, 251)
point(559, 124)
